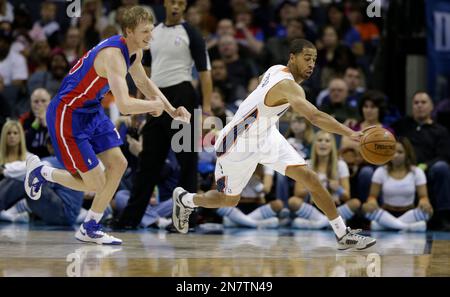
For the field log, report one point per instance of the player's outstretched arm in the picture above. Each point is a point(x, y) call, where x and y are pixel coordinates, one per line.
point(115, 71)
point(296, 97)
point(152, 92)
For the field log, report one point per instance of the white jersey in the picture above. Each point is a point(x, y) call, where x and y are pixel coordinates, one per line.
point(254, 119)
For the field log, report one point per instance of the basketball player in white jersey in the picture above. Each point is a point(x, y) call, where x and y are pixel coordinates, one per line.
point(252, 137)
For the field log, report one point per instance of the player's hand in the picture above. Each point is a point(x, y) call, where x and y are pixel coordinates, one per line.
point(356, 136)
point(181, 114)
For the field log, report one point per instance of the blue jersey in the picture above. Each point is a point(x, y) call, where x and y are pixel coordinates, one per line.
point(77, 124)
point(82, 89)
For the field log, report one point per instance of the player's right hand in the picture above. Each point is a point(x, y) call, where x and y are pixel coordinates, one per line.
point(181, 114)
point(356, 136)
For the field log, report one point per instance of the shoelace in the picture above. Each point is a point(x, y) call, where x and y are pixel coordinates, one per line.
point(186, 214)
point(355, 233)
point(97, 228)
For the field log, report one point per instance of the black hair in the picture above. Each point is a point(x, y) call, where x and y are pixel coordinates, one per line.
point(297, 45)
point(377, 98)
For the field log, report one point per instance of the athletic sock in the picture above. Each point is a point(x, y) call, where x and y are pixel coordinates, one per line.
point(46, 172)
point(93, 216)
point(188, 200)
point(339, 227)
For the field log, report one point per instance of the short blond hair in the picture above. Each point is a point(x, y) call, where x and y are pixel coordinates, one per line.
point(133, 16)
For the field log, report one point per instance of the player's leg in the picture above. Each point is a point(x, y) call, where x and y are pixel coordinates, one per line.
point(283, 158)
point(73, 150)
point(185, 202)
point(346, 238)
point(115, 166)
point(231, 177)
point(104, 142)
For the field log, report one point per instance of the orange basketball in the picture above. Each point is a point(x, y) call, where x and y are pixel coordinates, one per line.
point(377, 146)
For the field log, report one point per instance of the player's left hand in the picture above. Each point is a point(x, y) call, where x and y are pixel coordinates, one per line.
point(181, 114)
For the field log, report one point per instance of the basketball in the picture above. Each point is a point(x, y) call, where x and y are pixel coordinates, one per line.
point(377, 146)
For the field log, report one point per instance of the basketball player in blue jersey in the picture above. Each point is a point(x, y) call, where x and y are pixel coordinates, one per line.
point(252, 138)
point(81, 132)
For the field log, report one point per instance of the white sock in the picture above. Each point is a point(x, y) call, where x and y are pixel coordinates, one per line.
point(345, 212)
point(386, 219)
point(93, 216)
point(46, 172)
point(237, 216)
point(188, 200)
point(414, 215)
point(262, 212)
point(339, 227)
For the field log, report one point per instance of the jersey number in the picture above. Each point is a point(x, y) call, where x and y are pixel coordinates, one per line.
point(79, 63)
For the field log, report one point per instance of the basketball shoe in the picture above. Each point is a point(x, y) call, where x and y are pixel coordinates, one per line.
point(91, 231)
point(33, 178)
point(180, 212)
point(353, 240)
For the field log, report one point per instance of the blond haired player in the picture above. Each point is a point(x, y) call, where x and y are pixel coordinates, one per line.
point(83, 135)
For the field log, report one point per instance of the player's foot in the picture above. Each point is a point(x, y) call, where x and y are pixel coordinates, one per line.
point(353, 240)
point(180, 212)
point(91, 231)
point(33, 178)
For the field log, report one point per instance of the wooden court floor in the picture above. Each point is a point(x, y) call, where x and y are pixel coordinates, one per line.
point(42, 251)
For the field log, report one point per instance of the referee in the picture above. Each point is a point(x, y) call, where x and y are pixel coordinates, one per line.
point(175, 48)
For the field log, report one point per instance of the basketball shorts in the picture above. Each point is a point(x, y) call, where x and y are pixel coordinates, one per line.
point(78, 137)
point(235, 167)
